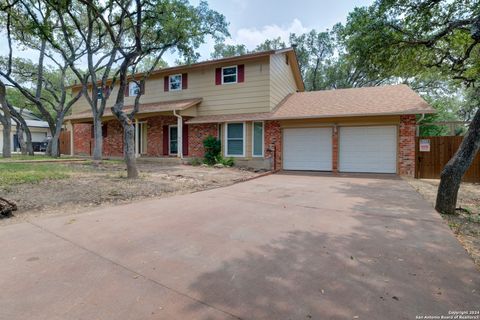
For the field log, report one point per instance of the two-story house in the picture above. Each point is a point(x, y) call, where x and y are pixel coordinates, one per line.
point(256, 105)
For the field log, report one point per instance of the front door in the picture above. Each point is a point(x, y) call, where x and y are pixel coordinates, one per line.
point(173, 140)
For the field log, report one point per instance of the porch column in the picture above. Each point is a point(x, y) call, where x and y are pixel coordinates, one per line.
point(180, 137)
point(137, 152)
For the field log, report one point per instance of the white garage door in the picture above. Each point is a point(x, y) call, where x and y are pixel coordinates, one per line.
point(307, 149)
point(368, 149)
point(38, 136)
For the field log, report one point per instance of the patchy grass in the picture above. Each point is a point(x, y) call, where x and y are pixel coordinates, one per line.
point(18, 173)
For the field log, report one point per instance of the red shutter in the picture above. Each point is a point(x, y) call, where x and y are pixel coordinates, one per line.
point(165, 84)
point(218, 76)
point(127, 91)
point(241, 73)
point(184, 81)
point(185, 139)
point(142, 87)
point(165, 140)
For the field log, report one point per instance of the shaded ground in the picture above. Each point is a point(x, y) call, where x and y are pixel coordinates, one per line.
point(80, 186)
point(285, 246)
point(466, 223)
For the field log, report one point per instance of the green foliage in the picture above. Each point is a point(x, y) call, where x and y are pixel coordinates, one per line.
point(271, 44)
point(196, 162)
point(227, 162)
point(213, 149)
point(222, 50)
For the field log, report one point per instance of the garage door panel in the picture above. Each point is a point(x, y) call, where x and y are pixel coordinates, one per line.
point(307, 149)
point(368, 149)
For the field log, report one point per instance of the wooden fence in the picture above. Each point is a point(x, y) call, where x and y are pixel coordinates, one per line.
point(65, 142)
point(430, 164)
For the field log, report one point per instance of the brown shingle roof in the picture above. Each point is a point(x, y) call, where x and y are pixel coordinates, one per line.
point(368, 101)
point(144, 108)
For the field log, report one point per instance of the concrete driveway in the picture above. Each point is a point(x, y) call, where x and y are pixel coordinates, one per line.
point(280, 247)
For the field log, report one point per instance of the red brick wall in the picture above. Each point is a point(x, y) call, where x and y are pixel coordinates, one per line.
point(196, 134)
point(406, 153)
point(335, 149)
point(82, 138)
point(113, 142)
point(155, 133)
point(273, 143)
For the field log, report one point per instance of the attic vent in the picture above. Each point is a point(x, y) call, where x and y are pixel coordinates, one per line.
point(286, 59)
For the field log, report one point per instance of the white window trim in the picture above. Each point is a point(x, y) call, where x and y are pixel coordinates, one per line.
point(130, 89)
point(226, 140)
point(170, 82)
point(253, 139)
point(169, 140)
point(236, 74)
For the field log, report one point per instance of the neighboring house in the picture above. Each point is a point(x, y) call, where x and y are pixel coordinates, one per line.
point(39, 129)
point(256, 106)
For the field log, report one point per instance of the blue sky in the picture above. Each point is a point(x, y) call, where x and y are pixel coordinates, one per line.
point(254, 21)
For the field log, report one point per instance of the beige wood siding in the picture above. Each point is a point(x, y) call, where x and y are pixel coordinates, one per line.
point(282, 81)
point(249, 96)
point(347, 121)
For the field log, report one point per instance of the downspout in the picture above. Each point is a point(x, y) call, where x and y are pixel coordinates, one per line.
point(179, 134)
point(418, 124)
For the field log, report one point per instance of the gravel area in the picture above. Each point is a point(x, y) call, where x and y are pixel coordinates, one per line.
point(93, 186)
point(465, 224)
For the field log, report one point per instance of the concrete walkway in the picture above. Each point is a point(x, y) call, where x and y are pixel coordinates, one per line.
point(280, 247)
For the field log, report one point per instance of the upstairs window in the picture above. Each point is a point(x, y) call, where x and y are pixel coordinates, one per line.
point(229, 74)
point(133, 89)
point(175, 82)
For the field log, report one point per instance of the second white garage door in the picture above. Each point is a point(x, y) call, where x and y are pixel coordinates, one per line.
point(307, 149)
point(368, 149)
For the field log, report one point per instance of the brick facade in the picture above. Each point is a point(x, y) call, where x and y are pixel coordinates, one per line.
point(196, 134)
point(155, 133)
point(113, 141)
point(82, 139)
point(335, 149)
point(273, 143)
point(406, 149)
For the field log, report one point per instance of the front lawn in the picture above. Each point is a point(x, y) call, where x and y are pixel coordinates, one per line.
point(18, 173)
point(41, 189)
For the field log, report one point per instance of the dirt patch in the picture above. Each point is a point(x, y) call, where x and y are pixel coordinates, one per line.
point(93, 186)
point(465, 224)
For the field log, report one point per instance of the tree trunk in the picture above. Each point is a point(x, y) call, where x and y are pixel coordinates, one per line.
point(21, 141)
point(7, 146)
point(56, 137)
point(98, 139)
point(452, 174)
point(28, 142)
point(130, 157)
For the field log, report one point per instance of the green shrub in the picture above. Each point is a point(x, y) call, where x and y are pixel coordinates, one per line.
point(213, 148)
point(227, 162)
point(196, 162)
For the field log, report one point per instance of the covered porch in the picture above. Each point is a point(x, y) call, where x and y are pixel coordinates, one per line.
point(160, 131)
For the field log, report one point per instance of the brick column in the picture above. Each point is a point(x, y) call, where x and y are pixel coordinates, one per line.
point(273, 143)
point(335, 149)
point(406, 148)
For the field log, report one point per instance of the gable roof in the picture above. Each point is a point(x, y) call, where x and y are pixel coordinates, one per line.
point(367, 101)
point(235, 59)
